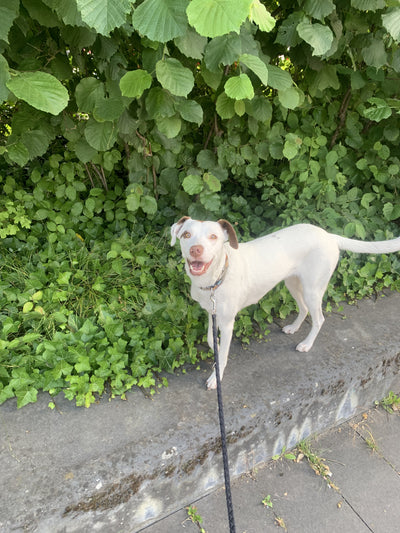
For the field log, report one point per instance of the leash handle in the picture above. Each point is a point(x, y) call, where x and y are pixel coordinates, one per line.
point(224, 447)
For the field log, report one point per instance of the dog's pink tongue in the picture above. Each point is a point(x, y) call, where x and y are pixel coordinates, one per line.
point(197, 267)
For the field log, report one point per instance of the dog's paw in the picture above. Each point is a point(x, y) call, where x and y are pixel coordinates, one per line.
point(303, 347)
point(290, 329)
point(212, 381)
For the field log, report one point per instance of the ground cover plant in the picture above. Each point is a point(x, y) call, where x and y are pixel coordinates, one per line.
point(118, 117)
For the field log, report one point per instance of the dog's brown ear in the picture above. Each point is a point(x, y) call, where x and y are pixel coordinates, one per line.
point(182, 220)
point(226, 226)
point(176, 227)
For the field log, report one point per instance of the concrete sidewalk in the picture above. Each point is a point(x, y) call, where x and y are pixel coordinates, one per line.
point(122, 466)
point(360, 494)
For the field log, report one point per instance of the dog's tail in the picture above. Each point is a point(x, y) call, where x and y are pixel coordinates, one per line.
point(368, 247)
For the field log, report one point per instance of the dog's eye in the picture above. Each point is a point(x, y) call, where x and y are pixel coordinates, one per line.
point(186, 235)
point(213, 236)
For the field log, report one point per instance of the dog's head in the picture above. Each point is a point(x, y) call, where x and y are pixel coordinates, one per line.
point(202, 242)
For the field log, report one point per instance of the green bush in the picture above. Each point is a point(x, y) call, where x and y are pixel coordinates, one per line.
point(91, 298)
point(118, 117)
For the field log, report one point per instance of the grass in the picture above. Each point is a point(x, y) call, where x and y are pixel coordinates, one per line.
point(316, 462)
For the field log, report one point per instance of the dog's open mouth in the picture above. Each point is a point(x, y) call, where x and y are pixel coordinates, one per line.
point(198, 268)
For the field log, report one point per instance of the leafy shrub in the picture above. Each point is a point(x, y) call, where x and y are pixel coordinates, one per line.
point(91, 299)
point(119, 117)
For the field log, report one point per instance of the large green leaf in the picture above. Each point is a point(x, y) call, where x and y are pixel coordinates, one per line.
point(290, 98)
point(240, 107)
point(291, 146)
point(161, 20)
point(174, 77)
point(108, 109)
point(225, 106)
point(375, 54)
point(391, 21)
point(319, 37)
point(78, 37)
point(378, 111)
point(149, 205)
point(84, 151)
point(8, 12)
point(191, 44)
point(319, 9)
point(325, 78)
point(87, 93)
point(101, 135)
point(394, 104)
point(390, 211)
point(36, 141)
point(18, 153)
point(212, 78)
point(126, 124)
point(357, 81)
point(368, 5)
point(260, 16)
point(278, 78)
point(222, 50)
point(260, 108)
point(4, 77)
point(212, 18)
point(287, 32)
point(239, 87)
point(39, 11)
point(67, 11)
point(212, 182)
point(193, 184)
point(41, 90)
point(104, 15)
point(190, 110)
point(134, 83)
point(256, 65)
point(169, 126)
point(159, 103)
point(26, 396)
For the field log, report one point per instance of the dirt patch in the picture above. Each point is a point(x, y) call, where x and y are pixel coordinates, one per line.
point(335, 388)
point(110, 497)
point(282, 415)
point(121, 491)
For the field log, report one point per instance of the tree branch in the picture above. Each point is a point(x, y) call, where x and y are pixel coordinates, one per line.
point(342, 116)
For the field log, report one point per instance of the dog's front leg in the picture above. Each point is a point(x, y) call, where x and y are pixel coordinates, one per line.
point(226, 329)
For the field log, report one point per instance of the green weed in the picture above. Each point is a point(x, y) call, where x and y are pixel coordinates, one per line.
point(284, 455)
point(390, 403)
point(267, 501)
point(316, 462)
point(195, 517)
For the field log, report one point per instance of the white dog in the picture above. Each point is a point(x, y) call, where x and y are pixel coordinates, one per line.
point(238, 275)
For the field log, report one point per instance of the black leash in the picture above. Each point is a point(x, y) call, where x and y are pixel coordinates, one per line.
point(228, 494)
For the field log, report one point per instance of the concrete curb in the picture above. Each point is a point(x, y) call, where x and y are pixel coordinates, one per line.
point(120, 466)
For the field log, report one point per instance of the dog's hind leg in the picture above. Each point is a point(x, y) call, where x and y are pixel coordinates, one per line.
point(313, 301)
point(296, 290)
point(316, 271)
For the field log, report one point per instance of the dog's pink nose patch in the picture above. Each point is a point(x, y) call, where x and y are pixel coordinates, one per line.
point(196, 251)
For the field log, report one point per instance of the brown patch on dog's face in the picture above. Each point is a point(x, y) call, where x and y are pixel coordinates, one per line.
point(175, 229)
